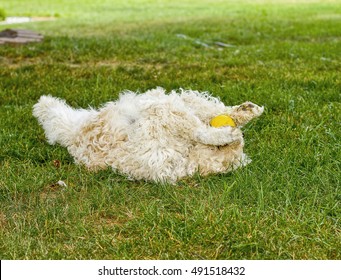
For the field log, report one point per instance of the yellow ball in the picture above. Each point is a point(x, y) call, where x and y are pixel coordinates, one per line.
point(222, 120)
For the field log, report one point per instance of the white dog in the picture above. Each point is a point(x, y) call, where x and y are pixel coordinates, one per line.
point(151, 136)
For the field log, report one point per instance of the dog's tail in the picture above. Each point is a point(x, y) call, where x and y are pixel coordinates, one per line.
point(60, 122)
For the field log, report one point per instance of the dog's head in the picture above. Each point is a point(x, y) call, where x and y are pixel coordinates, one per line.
point(245, 112)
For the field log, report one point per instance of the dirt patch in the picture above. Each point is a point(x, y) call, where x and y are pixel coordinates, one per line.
point(19, 36)
point(3, 220)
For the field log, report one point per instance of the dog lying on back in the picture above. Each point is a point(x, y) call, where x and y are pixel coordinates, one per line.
point(152, 136)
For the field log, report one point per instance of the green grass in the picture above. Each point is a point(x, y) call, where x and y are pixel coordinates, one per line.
point(284, 205)
point(2, 14)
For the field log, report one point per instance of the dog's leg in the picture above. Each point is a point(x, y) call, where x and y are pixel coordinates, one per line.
point(188, 125)
point(60, 122)
point(218, 136)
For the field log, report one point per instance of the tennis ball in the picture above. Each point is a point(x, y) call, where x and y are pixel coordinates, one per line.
point(222, 120)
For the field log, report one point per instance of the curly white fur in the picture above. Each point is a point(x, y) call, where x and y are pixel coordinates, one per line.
point(151, 136)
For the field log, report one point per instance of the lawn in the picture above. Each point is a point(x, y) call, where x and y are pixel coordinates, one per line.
point(284, 55)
